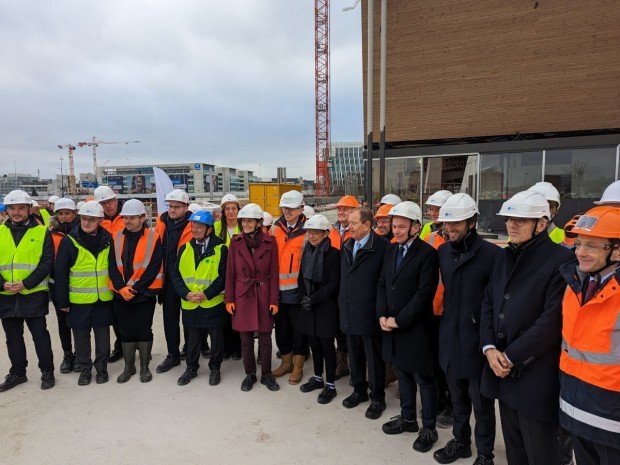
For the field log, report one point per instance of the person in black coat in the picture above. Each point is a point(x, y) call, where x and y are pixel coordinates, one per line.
point(361, 259)
point(520, 332)
point(319, 280)
point(405, 311)
point(466, 262)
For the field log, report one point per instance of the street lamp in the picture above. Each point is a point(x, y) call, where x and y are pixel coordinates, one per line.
point(62, 179)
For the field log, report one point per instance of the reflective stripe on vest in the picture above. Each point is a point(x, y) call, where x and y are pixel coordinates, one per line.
point(289, 256)
point(17, 263)
point(88, 277)
point(142, 258)
point(199, 278)
point(589, 418)
point(598, 358)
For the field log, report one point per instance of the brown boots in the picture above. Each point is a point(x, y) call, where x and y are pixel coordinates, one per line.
point(342, 364)
point(298, 369)
point(285, 367)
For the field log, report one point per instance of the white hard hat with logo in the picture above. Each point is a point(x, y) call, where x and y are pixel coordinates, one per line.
point(457, 208)
point(133, 207)
point(53, 199)
point(103, 193)
point(547, 190)
point(91, 208)
point(439, 198)
point(17, 197)
point(229, 198)
point(177, 195)
point(526, 204)
point(267, 219)
point(407, 209)
point(390, 199)
point(64, 204)
point(251, 211)
point(291, 199)
point(308, 211)
point(611, 195)
point(317, 222)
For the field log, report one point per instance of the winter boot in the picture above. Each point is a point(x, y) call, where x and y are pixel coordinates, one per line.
point(285, 367)
point(298, 369)
point(342, 364)
point(129, 354)
point(144, 349)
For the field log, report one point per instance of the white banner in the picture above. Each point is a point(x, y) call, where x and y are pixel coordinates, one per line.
point(163, 185)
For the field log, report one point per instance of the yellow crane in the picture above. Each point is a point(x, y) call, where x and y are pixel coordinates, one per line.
point(94, 143)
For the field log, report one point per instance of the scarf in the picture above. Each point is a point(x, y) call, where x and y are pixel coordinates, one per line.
point(253, 240)
point(312, 262)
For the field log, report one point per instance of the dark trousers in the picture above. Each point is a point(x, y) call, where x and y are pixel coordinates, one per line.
point(247, 351)
point(232, 340)
point(465, 393)
point(135, 320)
point(324, 351)
point(593, 453)
point(16, 347)
point(171, 306)
point(528, 441)
point(341, 341)
point(194, 346)
point(408, 386)
point(288, 337)
point(566, 447)
point(365, 353)
point(64, 332)
point(440, 377)
point(83, 353)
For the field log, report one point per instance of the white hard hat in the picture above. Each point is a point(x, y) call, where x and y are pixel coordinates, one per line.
point(457, 208)
point(17, 197)
point(194, 207)
point(390, 199)
point(308, 211)
point(317, 222)
point(228, 198)
point(103, 193)
point(133, 207)
point(80, 203)
point(267, 219)
point(526, 204)
point(251, 211)
point(611, 195)
point(64, 204)
point(177, 195)
point(91, 208)
point(547, 190)
point(407, 209)
point(53, 199)
point(34, 203)
point(292, 199)
point(439, 198)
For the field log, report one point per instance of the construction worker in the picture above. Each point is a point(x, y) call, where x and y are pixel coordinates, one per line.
point(361, 260)
point(520, 331)
point(466, 264)
point(228, 226)
point(390, 199)
point(611, 195)
point(340, 229)
point(174, 231)
point(199, 277)
point(384, 222)
point(405, 307)
point(290, 236)
point(48, 211)
point(267, 222)
point(136, 277)
point(113, 223)
point(82, 289)
point(433, 204)
point(549, 192)
point(65, 214)
point(319, 282)
point(589, 363)
point(26, 258)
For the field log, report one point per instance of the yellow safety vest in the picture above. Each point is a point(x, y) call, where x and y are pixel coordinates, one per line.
point(557, 235)
point(17, 263)
point(198, 278)
point(46, 217)
point(89, 280)
point(426, 230)
point(217, 227)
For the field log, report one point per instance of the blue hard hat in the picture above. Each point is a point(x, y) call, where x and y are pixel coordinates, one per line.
point(2, 207)
point(202, 216)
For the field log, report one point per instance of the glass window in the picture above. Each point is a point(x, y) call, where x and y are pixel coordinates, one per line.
point(402, 177)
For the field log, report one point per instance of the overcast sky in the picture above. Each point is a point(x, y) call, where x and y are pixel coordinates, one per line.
point(224, 82)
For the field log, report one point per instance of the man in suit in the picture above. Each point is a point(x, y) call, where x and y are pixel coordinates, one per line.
point(405, 310)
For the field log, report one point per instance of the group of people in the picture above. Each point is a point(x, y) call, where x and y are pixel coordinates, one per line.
point(533, 324)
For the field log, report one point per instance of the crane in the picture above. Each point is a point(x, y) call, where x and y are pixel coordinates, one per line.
point(70, 148)
point(94, 143)
point(321, 95)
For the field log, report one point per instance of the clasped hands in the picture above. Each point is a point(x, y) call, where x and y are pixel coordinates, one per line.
point(498, 362)
point(195, 297)
point(388, 324)
point(15, 287)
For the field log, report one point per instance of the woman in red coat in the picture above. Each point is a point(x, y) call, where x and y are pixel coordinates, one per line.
point(251, 293)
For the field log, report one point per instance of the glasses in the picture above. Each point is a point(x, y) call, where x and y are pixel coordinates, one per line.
point(517, 221)
point(591, 247)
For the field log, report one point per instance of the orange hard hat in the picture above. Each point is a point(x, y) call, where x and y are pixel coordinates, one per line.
point(569, 235)
point(599, 222)
point(89, 198)
point(348, 201)
point(383, 211)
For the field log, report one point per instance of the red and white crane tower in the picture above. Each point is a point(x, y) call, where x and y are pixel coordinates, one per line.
point(321, 95)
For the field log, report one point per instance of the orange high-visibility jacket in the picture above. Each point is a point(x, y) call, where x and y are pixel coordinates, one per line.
point(142, 258)
point(290, 246)
point(114, 225)
point(435, 239)
point(186, 235)
point(336, 238)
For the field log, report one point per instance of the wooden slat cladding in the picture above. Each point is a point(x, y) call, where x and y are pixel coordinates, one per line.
point(464, 68)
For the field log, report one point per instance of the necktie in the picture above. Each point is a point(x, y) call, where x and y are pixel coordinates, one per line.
point(591, 290)
point(400, 256)
point(356, 247)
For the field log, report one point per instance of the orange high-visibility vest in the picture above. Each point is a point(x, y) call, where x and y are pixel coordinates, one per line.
point(290, 247)
point(435, 239)
point(114, 225)
point(186, 235)
point(336, 238)
point(141, 259)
